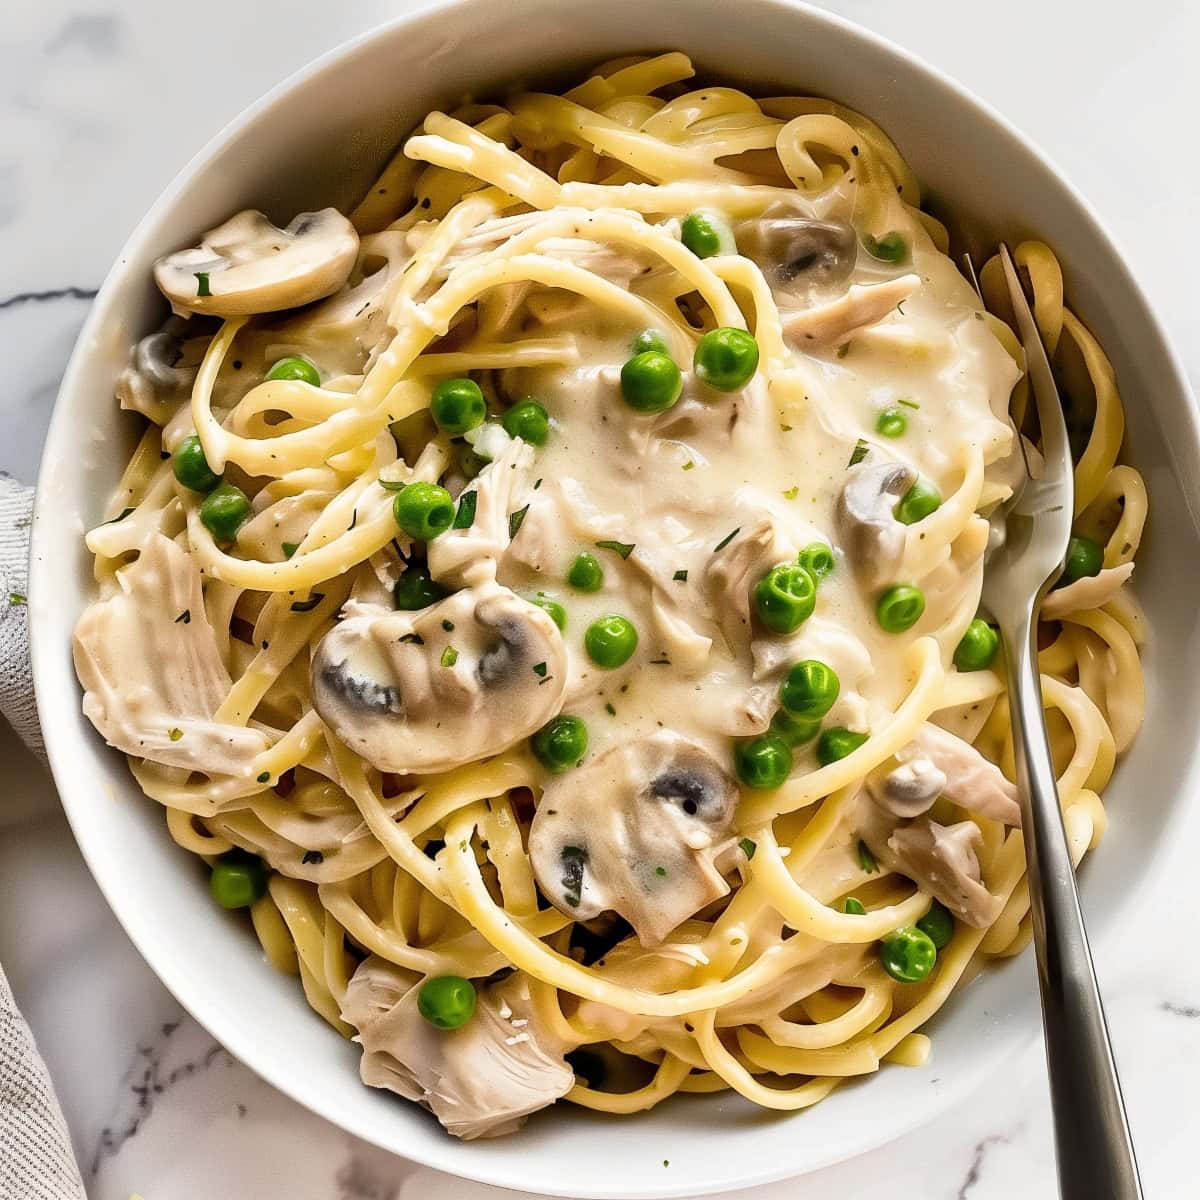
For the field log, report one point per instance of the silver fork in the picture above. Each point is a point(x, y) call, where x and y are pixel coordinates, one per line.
point(1095, 1152)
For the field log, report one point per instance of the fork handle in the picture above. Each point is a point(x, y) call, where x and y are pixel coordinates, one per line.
point(1095, 1152)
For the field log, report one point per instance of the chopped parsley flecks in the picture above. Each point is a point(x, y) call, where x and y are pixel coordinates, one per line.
point(866, 859)
point(464, 515)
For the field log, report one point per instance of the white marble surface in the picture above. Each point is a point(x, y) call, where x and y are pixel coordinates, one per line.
point(99, 106)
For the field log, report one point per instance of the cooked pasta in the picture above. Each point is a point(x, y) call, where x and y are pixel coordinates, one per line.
point(547, 599)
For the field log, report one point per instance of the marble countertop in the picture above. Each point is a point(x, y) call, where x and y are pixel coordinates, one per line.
point(99, 106)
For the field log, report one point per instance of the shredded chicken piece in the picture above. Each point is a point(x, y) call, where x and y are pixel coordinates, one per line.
point(835, 321)
point(481, 1080)
point(152, 676)
point(939, 859)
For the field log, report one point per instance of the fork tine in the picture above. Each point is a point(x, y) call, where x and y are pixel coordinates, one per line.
point(1056, 451)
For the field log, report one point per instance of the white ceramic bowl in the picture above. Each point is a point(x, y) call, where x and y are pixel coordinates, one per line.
point(316, 140)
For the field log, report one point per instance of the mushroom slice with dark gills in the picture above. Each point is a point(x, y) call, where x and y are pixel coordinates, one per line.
point(871, 535)
point(428, 690)
point(158, 370)
point(796, 252)
point(481, 1080)
point(634, 832)
point(248, 265)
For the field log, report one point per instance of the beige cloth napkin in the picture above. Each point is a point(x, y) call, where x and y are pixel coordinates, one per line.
point(36, 1159)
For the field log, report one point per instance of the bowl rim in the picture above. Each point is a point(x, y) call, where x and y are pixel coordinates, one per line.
point(237, 1037)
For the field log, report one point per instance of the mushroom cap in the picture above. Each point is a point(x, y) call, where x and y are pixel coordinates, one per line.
point(907, 789)
point(252, 266)
point(797, 252)
point(420, 691)
point(871, 535)
point(634, 832)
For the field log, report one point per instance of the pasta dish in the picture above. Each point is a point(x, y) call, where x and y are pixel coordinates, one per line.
point(547, 599)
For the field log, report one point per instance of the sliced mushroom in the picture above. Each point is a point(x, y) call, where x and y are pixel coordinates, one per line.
point(871, 535)
point(633, 832)
point(481, 1080)
point(248, 265)
point(152, 676)
point(448, 684)
point(156, 374)
point(797, 252)
point(942, 860)
point(1090, 592)
point(863, 304)
point(907, 790)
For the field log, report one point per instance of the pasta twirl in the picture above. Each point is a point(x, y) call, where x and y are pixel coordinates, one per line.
point(548, 599)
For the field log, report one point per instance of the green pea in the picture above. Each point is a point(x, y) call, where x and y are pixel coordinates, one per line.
point(938, 925)
point(853, 907)
point(837, 743)
point(785, 597)
point(794, 730)
point(191, 467)
point(817, 559)
point(414, 589)
point(899, 608)
point(809, 689)
point(447, 1001)
point(224, 511)
point(556, 612)
point(610, 641)
point(891, 248)
point(908, 954)
point(457, 405)
point(1084, 558)
point(726, 359)
point(560, 743)
point(763, 762)
point(295, 367)
point(529, 421)
point(891, 423)
point(586, 574)
point(651, 382)
point(238, 879)
point(977, 648)
point(918, 502)
point(649, 339)
point(706, 234)
point(423, 510)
